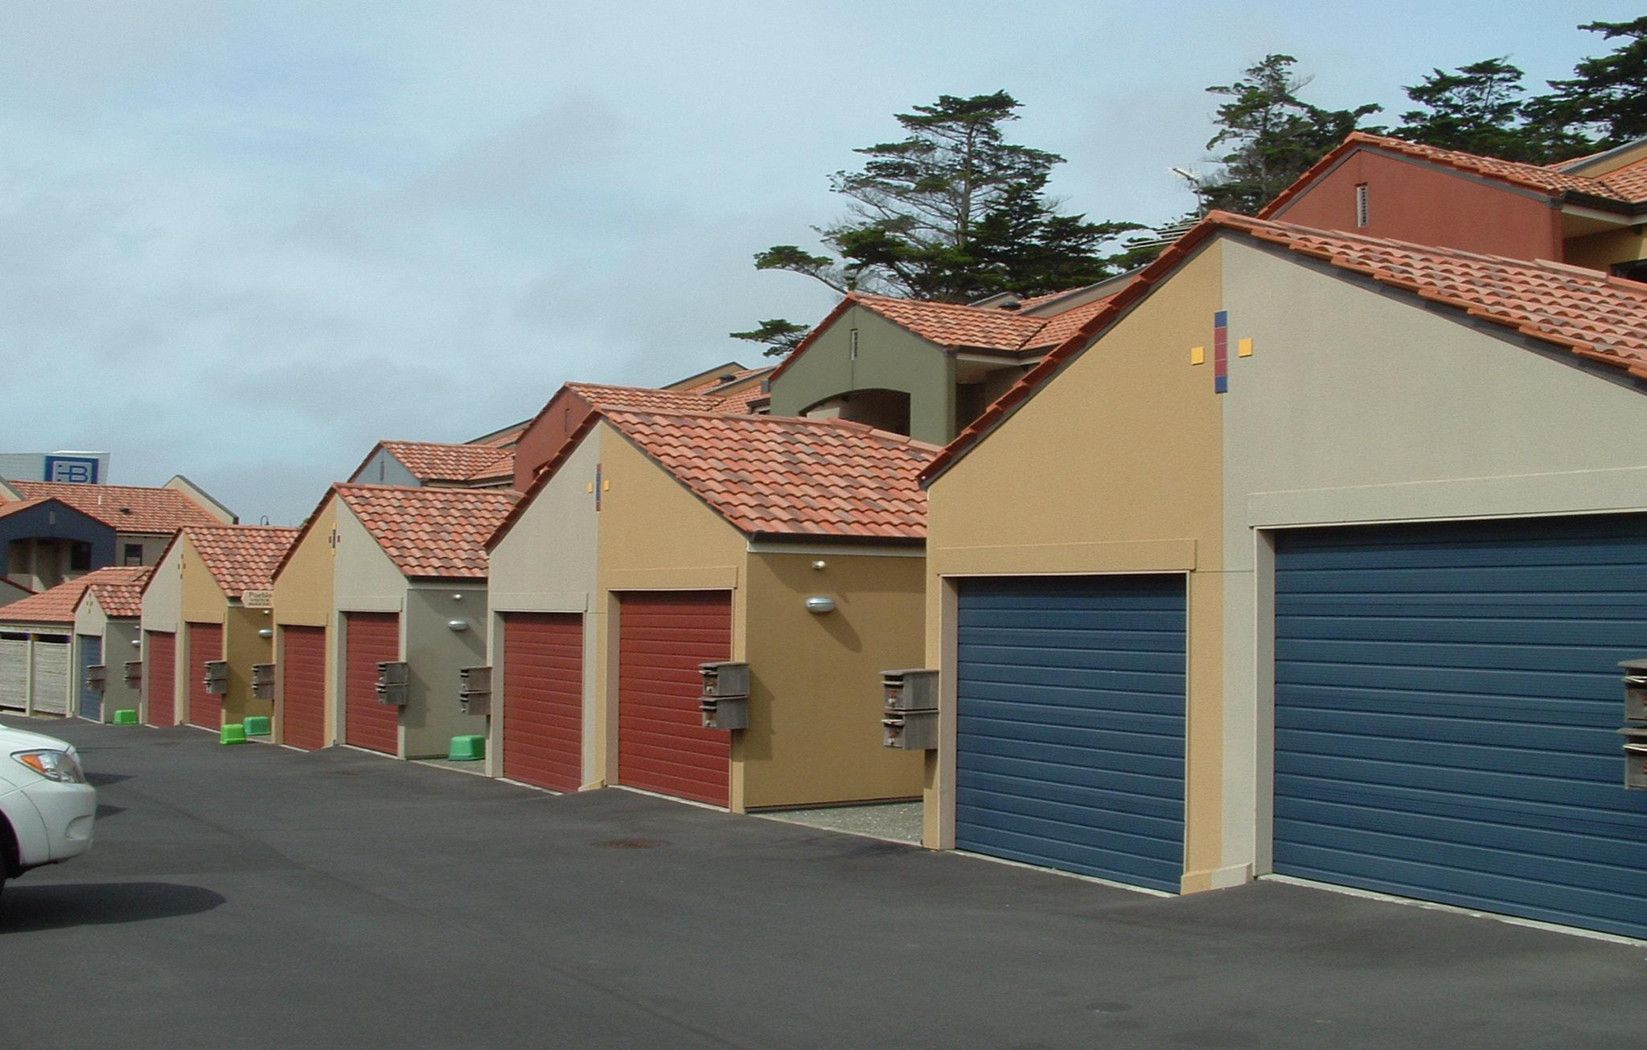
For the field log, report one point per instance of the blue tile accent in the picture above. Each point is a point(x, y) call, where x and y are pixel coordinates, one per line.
point(1221, 319)
point(1220, 384)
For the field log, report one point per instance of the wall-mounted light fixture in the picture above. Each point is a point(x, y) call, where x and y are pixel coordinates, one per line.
point(820, 604)
point(265, 632)
point(458, 597)
point(457, 625)
point(820, 565)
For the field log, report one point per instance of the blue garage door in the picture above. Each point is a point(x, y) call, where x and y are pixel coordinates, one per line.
point(1446, 705)
point(1070, 724)
point(91, 654)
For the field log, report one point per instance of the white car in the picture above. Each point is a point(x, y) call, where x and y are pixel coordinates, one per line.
point(46, 806)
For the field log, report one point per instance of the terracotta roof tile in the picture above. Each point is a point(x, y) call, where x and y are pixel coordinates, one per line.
point(771, 475)
point(1596, 317)
point(125, 508)
point(1628, 189)
point(53, 606)
point(958, 326)
point(429, 461)
point(604, 396)
point(1629, 182)
point(119, 589)
point(708, 386)
point(241, 558)
point(430, 532)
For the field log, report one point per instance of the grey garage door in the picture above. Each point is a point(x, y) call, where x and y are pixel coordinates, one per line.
point(1070, 724)
point(1446, 705)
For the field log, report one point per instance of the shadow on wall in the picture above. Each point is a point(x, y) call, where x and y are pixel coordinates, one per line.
point(26, 909)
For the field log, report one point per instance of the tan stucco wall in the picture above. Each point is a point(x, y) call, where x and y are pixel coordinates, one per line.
point(244, 647)
point(654, 536)
point(889, 358)
point(1360, 406)
point(814, 731)
point(363, 580)
point(1113, 467)
point(162, 611)
point(547, 564)
point(303, 597)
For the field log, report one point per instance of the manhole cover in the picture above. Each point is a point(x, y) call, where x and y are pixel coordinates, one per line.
point(633, 843)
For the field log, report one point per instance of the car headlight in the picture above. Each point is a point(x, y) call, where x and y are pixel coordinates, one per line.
point(60, 766)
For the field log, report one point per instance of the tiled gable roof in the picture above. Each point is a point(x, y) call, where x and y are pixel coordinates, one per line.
point(777, 476)
point(124, 508)
point(430, 461)
point(119, 589)
point(1629, 182)
point(957, 326)
point(1592, 315)
point(53, 606)
point(602, 395)
point(1623, 186)
point(241, 558)
point(430, 532)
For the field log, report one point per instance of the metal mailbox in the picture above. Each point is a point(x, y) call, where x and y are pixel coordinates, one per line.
point(1635, 690)
point(915, 689)
point(134, 673)
point(724, 679)
point(475, 689)
point(263, 676)
point(217, 677)
point(910, 730)
point(392, 678)
point(909, 719)
point(1635, 757)
point(724, 712)
point(97, 677)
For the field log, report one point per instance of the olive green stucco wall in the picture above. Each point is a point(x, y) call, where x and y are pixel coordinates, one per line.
point(888, 358)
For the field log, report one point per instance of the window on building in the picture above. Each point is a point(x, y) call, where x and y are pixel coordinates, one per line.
point(79, 557)
point(132, 554)
point(1361, 213)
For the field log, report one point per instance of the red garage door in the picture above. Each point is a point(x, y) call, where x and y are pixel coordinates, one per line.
point(543, 699)
point(303, 687)
point(205, 643)
point(369, 638)
point(160, 666)
point(662, 746)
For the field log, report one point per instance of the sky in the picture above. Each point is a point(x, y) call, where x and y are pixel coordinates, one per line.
point(245, 241)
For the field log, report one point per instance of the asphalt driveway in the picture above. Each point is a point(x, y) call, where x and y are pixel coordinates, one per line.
point(255, 896)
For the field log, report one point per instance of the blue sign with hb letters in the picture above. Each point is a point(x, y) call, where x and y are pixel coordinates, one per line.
point(79, 470)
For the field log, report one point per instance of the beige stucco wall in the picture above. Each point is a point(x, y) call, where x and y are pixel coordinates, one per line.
point(1360, 406)
point(546, 564)
point(654, 536)
point(303, 597)
point(814, 731)
point(889, 358)
point(1113, 467)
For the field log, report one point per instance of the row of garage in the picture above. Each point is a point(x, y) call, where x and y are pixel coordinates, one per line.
point(1446, 708)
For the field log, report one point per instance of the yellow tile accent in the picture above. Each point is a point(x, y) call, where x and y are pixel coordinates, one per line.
point(1198, 355)
point(1243, 348)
